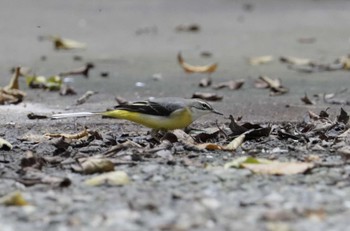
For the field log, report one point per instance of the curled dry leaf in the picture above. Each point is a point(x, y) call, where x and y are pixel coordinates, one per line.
point(122, 146)
point(254, 61)
point(306, 100)
point(84, 71)
point(11, 94)
point(238, 162)
point(63, 43)
point(13, 199)
point(67, 90)
point(279, 168)
point(207, 96)
point(183, 136)
point(251, 131)
point(275, 86)
point(295, 60)
point(85, 97)
point(232, 84)
point(93, 165)
point(236, 143)
point(209, 146)
point(121, 101)
point(5, 145)
point(31, 160)
point(264, 166)
point(188, 68)
point(343, 117)
point(115, 178)
point(76, 136)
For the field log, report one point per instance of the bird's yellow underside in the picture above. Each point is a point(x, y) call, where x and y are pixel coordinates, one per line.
point(178, 119)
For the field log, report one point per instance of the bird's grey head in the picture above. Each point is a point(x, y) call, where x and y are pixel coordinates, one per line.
point(200, 108)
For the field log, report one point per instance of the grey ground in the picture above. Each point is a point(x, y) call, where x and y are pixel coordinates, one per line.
point(134, 40)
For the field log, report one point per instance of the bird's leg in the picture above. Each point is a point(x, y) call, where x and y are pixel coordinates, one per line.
point(154, 134)
point(158, 134)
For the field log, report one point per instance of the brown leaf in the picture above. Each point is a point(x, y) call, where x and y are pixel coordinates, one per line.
point(93, 165)
point(115, 178)
point(306, 100)
point(85, 97)
point(258, 83)
point(232, 84)
point(207, 96)
point(11, 93)
point(121, 101)
point(84, 71)
point(274, 85)
point(77, 136)
point(188, 68)
point(32, 160)
point(254, 61)
point(119, 147)
point(67, 90)
point(279, 168)
point(63, 43)
point(209, 146)
point(295, 61)
point(343, 117)
point(236, 143)
point(14, 80)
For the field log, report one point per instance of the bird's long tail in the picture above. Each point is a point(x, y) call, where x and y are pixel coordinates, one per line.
point(74, 114)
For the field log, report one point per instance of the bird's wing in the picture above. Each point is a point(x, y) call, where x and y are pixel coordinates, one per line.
point(159, 108)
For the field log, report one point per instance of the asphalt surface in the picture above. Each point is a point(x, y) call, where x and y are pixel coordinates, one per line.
point(133, 41)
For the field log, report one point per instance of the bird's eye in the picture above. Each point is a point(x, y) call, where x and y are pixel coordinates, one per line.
point(205, 106)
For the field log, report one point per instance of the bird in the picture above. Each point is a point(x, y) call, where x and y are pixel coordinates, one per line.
point(159, 114)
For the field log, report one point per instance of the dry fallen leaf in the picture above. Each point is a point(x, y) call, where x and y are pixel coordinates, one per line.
point(343, 117)
point(85, 97)
point(207, 96)
point(122, 146)
point(93, 165)
point(31, 160)
point(254, 61)
point(116, 178)
point(13, 199)
point(232, 84)
point(307, 101)
point(264, 166)
point(79, 71)
point(275, 86)
point(5, 145)
point(11, 94)
point(63, 43)
point(209, 146)
point(279, 168)
point(188, 68)
point(295, 61)
point(237, 163)
point(234, 144)
point(77, 136)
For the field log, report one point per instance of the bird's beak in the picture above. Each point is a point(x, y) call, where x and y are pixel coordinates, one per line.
point(216, 112)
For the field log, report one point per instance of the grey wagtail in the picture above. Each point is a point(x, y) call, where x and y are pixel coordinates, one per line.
point(167, 113)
